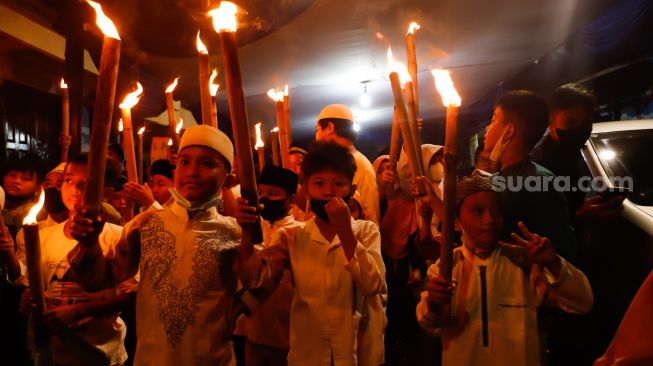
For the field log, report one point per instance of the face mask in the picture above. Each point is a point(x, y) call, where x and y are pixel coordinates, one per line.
point(317, 207)
point(53, 201)
point(437, 172)
point(212, 201)
point(273, 210)
point(574, 139)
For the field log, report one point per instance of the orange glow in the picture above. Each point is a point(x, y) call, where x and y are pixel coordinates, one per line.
point(379, 35)
point(445, 87)
point(413, 27)
point(213, 88)
point(132, 98)
point(63, 84)
point(276, 129)
point(103, 22)
point(224, 17)
point(398, 67)
point(120, 127)
point(142, 129)
point(201, 48)
point(179, 125)
point(30, 219)
point(277, 96)
point(172, 86)
point(170, 142)
point(285, 91)
point(259, 141)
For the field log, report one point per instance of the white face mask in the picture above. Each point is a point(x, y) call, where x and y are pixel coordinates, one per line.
point(212, 201)
point(437, 172)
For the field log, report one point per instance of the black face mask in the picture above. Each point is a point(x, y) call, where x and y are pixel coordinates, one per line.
point(53, 201)
point(273, 210)
point(574, 139)
point(317, 207)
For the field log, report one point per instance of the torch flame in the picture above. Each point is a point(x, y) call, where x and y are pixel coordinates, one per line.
point(224, 17)
point(285, 91)
point(379, 36)
point(132, 98)
point(30, 219)
point(120, 127)
point(201, 48)
point(103, 22)
point(398, 67)
point(63, 84)
point(142, 129)
point(172, 86)
point(276, 129)
point(277, 96)
point(179, 125)
point(445, 87)
point(170, 142)
point(413, 27)
point(259, 141)
point(213, 88)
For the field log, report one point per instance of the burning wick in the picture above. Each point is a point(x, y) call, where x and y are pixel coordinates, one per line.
point(398, 67)
point(413, 27)
point(142, 129)
point(120, 127)
point(30, 219)
point(63, 84)
point(277, 96)
point(172, 86)
point(132, 98)
point(259, 141)
point(224, 17)
point(444, 84)
point(213, 87)
point(103, 22)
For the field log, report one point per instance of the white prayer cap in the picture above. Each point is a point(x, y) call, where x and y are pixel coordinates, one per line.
point(58, 169)
point(336, 111)
point(211, 137)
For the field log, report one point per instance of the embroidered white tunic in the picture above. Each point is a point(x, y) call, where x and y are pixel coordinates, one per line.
point(187, 286)
point(323, 320)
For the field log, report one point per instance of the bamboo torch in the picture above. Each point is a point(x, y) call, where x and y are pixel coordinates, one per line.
point(128, 132)
point(225, 23)
point(452, 101)
point(260, 148)
point(205, 94)
point(121, 127)
point(398, 76)
point(65, 118)
point(274, 144)
point(286, 114)
point(213, 88)
point(171, 112)
point(140, 154)
point(412, 62)
point(34, 275)
point(277, 96)
point(103, 111)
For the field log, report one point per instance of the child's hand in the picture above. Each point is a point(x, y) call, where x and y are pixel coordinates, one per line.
point(596, 209)
point(439, 291)
point(246, 214)
point(84, 227)
point(431, 198)
point(388, 177)
point(140, 193)
point(424, 211)
point(339, 215)
point(538, 249)
point(59, 319)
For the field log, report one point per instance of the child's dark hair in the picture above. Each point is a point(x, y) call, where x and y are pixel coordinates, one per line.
point(571, 95)
point(117, 149)
point(528, 111)
point(329, 156)
point(110, 173)
point(342, 127)
point(30, 163)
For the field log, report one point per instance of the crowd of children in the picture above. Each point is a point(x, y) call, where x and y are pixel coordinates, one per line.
point(347, 272)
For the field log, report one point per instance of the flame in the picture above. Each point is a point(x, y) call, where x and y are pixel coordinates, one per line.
point(140, 132)
point(63, 84)
point(170, 142)
point(398, 67)
point(285, 91)
point(213, 88)
point(413, 27)
point(102, 21)
point(30, 219)
point(445, 87)
point(276, 129)
point(172, 86)
point(277, 96)
point(259, 141)
point(201, 48)
point(120, 127)
point(379, 35)
point(224, 17)
point(132, 98)
point(179, 125)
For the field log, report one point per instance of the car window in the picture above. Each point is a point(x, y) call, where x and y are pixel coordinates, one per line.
point(628, 154)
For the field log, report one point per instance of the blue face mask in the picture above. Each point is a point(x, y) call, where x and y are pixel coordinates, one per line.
point(212, 201)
